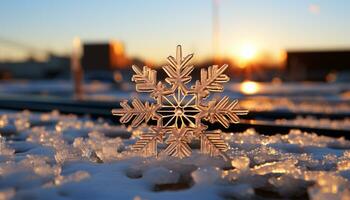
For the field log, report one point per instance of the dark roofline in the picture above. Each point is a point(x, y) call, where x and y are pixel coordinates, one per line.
point(318, 50)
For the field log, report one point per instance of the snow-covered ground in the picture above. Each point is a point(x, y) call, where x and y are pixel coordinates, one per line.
point(301, 106)
point(309, 121)
point(292, 97)
point(55, 156)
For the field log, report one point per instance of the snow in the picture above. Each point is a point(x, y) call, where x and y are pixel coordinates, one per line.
point(292, 97)
point(304, 105)
point(56, 156)
point(309, 121)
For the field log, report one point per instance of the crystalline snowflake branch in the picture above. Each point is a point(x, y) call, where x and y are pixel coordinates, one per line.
point(211, 81)
point(148, 142)
point(178, 143)
point(213, 144)
point(222, 112)
point(177, 70)
point(145, 80)
point(140, 111)
point(179, 109)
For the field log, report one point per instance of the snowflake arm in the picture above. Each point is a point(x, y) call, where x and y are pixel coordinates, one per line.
point(211, 80)
point(223, 112)
point(145, 79)
point(178, 144)
point(213, 144)
point(140, 111)
point(178, 71)
point(147, 144)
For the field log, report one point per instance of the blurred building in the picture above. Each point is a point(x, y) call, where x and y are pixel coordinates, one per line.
point(54, 67)
point(104, 56)
point(316, 65)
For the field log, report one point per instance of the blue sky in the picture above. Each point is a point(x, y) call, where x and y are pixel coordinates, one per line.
point(152, 28)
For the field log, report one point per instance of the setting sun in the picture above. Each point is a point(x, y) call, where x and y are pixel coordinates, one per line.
point(245, 54)
point(248, 52)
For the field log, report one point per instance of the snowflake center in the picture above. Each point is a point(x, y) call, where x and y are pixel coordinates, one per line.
point(179, 111)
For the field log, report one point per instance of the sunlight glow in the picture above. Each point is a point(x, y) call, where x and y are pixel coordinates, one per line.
point(248, 52)
point(249, 87)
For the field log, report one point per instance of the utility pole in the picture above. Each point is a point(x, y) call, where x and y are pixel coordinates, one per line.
point(216, 30)
point(77, 70)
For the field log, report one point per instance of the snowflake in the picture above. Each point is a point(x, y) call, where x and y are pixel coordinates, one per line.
point(179, 110)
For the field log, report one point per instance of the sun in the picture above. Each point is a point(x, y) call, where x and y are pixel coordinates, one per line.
point(248, 52)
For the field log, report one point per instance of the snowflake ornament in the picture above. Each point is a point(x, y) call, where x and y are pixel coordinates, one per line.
point(179, 109)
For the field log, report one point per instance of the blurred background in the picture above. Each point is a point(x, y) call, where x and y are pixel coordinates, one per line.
point(287, 58)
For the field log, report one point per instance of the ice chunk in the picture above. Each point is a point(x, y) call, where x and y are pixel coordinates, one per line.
point(288, 186)
point(287, 166)
point(241, 163)
point(239, 191)
point(98, 147)
point(3, 121)
point(22, 123)
point(40, 165)
point(329, 185)
point(66, 153)
point(4, 149)
point(6, 194)
point(206, 175)
point(312, 139)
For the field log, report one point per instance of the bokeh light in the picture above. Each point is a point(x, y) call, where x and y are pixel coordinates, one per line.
point(249, 87)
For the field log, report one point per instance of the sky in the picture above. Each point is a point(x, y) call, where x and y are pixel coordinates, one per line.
point(151, 29)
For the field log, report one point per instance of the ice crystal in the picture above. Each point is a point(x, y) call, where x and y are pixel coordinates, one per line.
point(179, 109)
point(4, 149)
